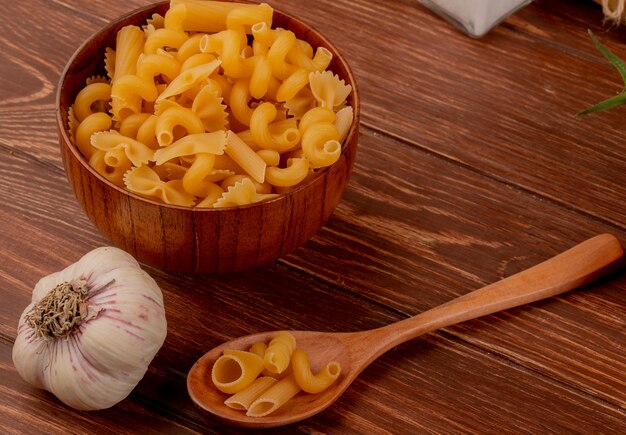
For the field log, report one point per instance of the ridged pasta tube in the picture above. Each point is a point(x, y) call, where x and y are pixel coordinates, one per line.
point(235, 370)
point(243, 399)
point(245, 157)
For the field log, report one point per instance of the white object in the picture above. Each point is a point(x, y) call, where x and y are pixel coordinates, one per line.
point(91, 330)
point(475, 17)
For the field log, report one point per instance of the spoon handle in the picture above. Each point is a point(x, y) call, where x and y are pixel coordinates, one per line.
point(573, 268)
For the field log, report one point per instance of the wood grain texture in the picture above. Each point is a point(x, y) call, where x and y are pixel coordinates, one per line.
point(194, 305)
point(470, 169)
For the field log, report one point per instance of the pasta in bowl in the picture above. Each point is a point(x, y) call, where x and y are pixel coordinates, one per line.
point(206, 136)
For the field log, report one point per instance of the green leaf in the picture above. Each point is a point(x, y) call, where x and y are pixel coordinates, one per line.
point(616, 61)
point(615, 101)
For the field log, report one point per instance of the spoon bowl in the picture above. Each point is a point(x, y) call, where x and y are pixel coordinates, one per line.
point(354, 351)
point(321, 348)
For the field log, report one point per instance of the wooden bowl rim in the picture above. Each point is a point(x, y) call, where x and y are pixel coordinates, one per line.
point(63, 129)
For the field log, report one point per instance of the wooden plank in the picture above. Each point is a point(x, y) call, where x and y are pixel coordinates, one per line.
point(429, 231)
point(433, 256)
point(439, 382)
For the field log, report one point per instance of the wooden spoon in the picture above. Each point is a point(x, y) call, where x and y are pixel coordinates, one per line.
point(356, 350)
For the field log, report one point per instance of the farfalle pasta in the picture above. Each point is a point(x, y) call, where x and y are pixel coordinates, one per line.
point(208, 106)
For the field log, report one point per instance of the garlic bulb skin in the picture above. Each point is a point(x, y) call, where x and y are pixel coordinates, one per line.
point(116, 333)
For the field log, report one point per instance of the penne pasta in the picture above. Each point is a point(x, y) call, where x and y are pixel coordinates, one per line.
point(245, 157)
point(243, 399)
point(208, 16)
point(343, 122)
point(274, 397)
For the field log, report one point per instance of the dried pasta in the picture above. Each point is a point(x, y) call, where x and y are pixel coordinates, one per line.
point(235, 370)
point(243, 399)
point(274, 397)
point(93, 123)
point(278, 352)
point(309, 382)
point(209, 106)
point(270, 390)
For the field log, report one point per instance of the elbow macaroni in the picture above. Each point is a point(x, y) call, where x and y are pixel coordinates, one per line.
point(209, 106)
point(263, 395)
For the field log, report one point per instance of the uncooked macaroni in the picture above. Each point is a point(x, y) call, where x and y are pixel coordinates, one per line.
point(285, 371)
point(209, 106)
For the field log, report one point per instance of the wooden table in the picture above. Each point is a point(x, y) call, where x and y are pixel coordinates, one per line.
point(471, 167)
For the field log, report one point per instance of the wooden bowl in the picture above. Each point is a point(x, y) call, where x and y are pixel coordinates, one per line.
point(185, 239)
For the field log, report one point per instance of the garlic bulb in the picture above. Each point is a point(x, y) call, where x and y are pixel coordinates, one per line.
point(91, 330)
